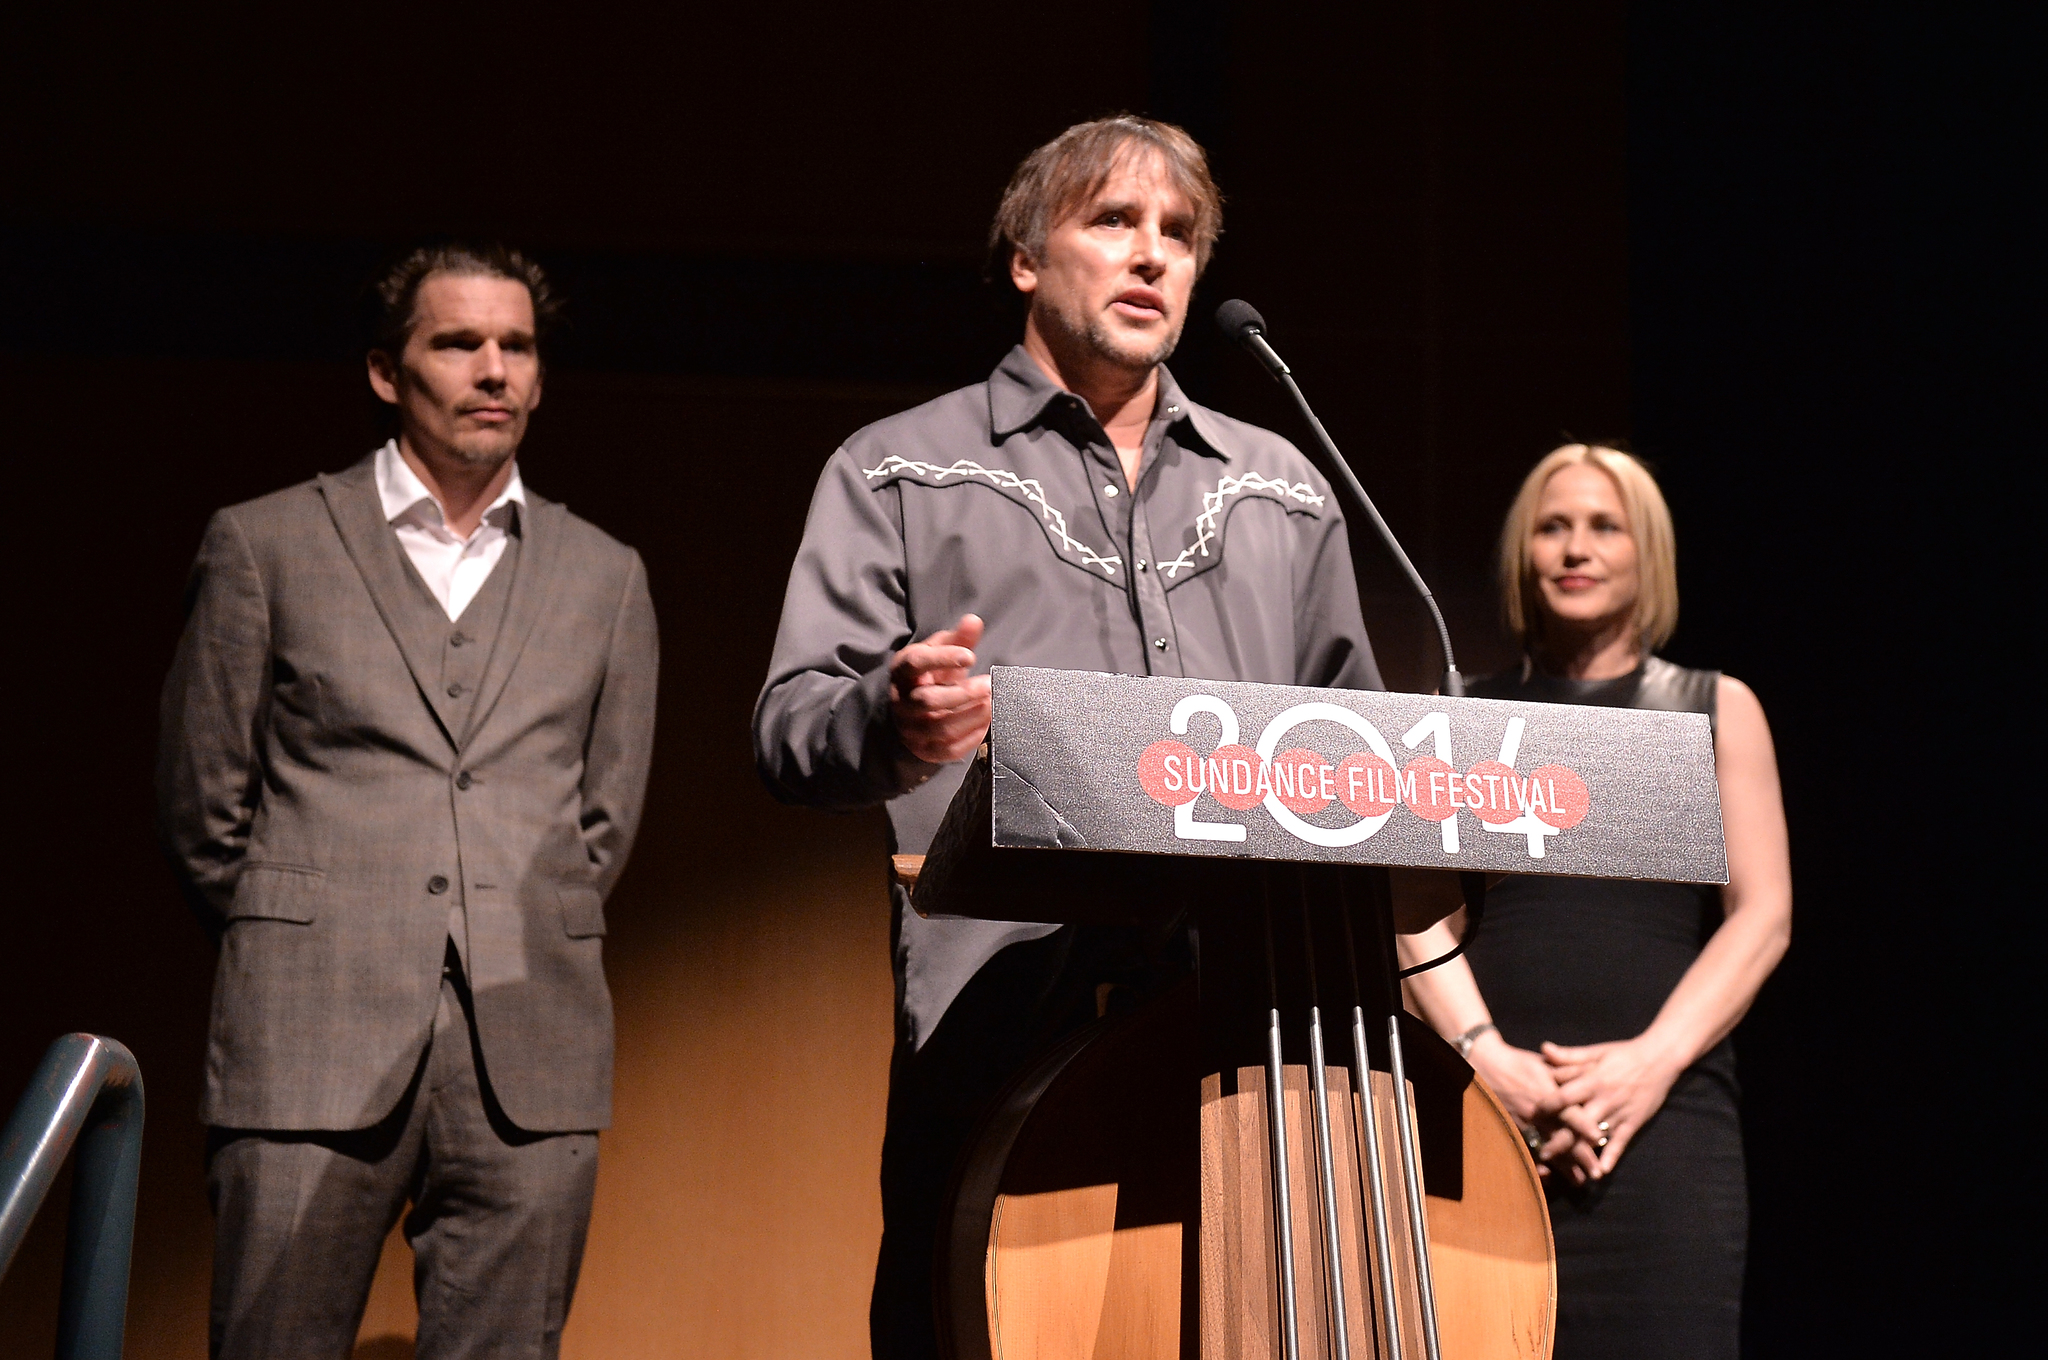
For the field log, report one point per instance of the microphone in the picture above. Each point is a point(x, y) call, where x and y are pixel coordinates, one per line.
point(1241, 321)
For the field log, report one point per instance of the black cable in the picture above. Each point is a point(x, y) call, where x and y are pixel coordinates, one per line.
point(1474, 888)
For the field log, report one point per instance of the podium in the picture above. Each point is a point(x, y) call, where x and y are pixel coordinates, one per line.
point(1269, 1157)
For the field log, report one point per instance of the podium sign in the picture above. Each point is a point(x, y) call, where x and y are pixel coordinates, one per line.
point(1165, 766)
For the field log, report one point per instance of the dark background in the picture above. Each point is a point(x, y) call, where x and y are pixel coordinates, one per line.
point(1779, 247)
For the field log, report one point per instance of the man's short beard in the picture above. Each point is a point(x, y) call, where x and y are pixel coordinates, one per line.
point(1093, 336)
point(496, 455)
point(1098, 340)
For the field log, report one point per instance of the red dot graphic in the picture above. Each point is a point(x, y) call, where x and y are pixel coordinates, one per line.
point(1302, 780)
point(1429, 795)
point(1233, 777)
point(1564, 796)
point(1495, 792)
point(1168, 772)
point(1366, 784)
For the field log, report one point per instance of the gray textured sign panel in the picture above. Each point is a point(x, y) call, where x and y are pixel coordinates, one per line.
point(1157, 765)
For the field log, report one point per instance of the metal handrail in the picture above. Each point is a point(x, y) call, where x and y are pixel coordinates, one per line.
point(87, 1093)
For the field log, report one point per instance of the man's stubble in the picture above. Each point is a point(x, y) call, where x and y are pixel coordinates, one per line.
point(1093, 337)
point(1099, 340)
point(487, 457)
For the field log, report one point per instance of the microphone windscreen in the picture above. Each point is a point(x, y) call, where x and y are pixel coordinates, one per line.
point(1239, 318)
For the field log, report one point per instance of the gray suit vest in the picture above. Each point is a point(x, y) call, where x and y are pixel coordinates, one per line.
point(465, 654)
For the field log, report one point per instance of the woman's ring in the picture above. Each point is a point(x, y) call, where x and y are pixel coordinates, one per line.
point(1604, 1127)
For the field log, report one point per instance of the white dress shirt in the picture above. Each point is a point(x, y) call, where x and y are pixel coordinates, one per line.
point(454, 568)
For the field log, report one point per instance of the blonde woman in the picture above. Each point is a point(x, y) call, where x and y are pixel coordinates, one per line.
point(1600, 1011)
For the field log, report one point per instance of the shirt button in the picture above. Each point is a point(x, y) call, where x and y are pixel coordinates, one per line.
point(1108, 489)
point(1141, 564)
point(1160, 643)
point(463, 780)
point(456, 640)
point(455, 691)
point(437, 885)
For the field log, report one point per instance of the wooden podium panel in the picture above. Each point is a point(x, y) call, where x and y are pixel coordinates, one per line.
point(1122, 1201)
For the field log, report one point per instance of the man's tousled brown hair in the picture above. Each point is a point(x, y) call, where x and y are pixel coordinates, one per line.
point(397, 289)
point(1060, 177)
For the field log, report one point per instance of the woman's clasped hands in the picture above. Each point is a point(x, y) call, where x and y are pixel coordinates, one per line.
point(1579, 1107)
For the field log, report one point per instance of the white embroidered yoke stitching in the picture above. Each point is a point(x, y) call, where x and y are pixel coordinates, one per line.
point(1028, 487)
point(1208, 524)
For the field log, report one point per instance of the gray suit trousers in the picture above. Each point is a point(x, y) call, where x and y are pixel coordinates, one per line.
point(496, 1225)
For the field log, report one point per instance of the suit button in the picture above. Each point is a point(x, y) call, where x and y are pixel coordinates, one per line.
point(463, 781)
point(455, 691)
point(437, 885)
point(456, 640)
point(1160, 643)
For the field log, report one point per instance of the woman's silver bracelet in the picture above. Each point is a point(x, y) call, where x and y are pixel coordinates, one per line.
point(1463, 1043)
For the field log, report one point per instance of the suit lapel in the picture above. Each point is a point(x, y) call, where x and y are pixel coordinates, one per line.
point(540, 535)
point(359, 518)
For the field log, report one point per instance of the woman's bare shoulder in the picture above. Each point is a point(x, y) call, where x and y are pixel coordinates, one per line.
point(1740, 725)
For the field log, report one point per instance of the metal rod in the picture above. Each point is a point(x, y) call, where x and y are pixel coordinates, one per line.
point(1276, 1121)
point(86, 1095)
point(1372, 1170)
point(1283, 1209)
point(1334, 1274)
point(1411, 1162)
point(1319, 1089)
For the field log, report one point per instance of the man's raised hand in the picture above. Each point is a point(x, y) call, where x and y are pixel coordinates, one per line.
point(941, 708)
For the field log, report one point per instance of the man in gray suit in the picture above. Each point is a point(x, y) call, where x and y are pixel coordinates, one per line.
point(405, 740)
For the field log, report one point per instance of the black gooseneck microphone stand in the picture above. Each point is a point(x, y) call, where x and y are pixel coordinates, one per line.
point(1241, 322)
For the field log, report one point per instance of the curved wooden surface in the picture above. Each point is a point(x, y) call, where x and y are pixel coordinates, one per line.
point(1493, 1259)
point(1075, 1215)
point(1116, 1176)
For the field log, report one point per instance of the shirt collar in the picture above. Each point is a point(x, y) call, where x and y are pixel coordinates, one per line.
point(1191, 417)
point(401, 491)
point(1019, 392)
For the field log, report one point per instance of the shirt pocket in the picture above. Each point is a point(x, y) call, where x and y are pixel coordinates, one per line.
point(278, 892)
point(582, 912)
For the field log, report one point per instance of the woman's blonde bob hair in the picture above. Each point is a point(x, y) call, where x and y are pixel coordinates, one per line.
point(1649, 523)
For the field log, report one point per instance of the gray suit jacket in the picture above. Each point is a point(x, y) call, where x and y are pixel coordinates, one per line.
point(325, 814)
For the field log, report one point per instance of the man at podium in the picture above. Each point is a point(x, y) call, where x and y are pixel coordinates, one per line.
point(1075, 511)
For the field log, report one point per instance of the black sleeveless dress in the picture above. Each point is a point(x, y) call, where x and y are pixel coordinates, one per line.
point(1650, 1257)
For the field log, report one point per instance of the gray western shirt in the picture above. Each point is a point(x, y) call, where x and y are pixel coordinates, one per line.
point(1228, 561)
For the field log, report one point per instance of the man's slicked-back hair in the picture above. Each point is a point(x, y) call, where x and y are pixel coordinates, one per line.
point(397, 289)
point(1059, 178)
